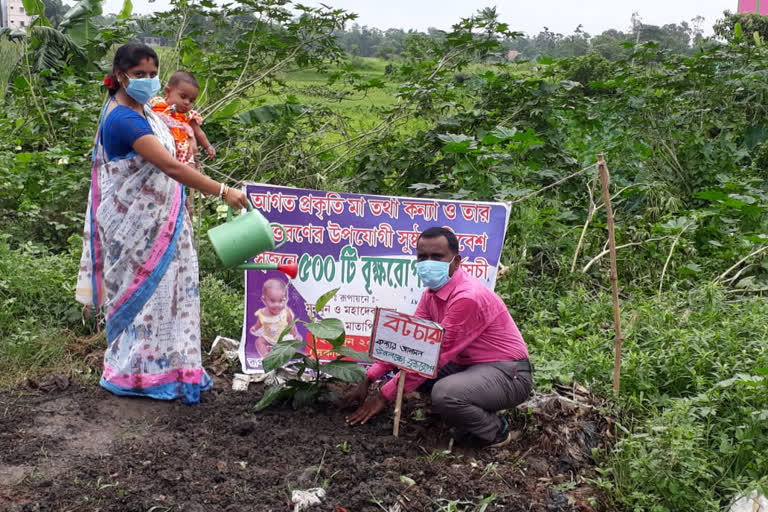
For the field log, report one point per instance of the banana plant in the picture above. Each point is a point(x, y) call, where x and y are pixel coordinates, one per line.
point(77, 42)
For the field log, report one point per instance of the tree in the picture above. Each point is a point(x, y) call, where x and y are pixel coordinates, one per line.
point(697, 30)
point(419, 46)
point(55, 11)
point(750, 23)
point(673, 37)
point(546, 42)
point(575, 45)
point(73, 43)
point(385, 50)
point(608, 44)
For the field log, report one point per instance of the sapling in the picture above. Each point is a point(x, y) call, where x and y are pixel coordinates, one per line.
point(310, 362)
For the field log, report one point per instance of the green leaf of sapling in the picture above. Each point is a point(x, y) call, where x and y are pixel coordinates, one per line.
point(328, 329)
point(281, 353)
point(324, 299)
point(348, 371)
point(353, 354)
point(270, 395)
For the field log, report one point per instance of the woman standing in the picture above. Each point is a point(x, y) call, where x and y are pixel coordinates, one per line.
point(138, 262)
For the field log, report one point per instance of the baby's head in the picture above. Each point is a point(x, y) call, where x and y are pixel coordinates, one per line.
point(181, 90)
point(274, 294)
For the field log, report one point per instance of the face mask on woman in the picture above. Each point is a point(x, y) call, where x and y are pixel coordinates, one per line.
point(142, 89)
point(434, 274)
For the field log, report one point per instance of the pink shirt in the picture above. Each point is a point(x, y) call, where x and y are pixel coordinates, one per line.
point(478, 329)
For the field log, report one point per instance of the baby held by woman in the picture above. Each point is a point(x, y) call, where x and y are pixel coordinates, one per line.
point(175, 110)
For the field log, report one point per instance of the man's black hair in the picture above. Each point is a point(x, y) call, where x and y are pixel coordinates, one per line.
point(435, 232)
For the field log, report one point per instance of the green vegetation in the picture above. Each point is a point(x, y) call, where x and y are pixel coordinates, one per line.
point(9, 55)
point(683, 130)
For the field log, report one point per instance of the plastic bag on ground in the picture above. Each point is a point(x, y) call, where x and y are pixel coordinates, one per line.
point(305, 499)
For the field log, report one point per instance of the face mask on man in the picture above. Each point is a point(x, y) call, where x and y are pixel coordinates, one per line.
point(434, 274)
point(142, 89)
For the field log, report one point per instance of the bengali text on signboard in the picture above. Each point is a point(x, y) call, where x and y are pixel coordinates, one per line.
point(408, 342)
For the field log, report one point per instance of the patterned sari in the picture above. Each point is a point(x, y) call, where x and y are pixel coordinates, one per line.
point(140, 267)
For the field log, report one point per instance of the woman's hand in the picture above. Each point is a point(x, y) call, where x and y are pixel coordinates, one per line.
point(236, 198)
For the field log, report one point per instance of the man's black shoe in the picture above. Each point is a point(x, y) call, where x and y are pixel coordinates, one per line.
point(504, 436)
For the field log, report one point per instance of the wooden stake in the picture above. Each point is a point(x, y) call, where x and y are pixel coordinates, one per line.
point(399, 403)
point(605, 180)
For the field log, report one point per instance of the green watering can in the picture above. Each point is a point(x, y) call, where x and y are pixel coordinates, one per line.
point(245, 236)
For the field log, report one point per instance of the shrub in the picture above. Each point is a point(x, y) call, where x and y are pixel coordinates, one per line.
point(37, 289)
point(700, 452)
point(222, 309)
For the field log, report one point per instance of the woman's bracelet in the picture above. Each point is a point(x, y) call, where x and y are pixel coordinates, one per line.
point(221, 190)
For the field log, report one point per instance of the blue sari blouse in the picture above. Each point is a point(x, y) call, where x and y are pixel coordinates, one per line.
point(122, 127)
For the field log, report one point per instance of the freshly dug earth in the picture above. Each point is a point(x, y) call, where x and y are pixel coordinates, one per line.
point(83, 449)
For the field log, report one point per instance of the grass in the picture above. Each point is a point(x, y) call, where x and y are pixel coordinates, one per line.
point(358, 112)
point(31, 354)
point(41, 325)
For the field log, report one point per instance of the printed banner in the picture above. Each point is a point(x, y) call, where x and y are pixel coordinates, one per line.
point(408, 342)
point(364, 245)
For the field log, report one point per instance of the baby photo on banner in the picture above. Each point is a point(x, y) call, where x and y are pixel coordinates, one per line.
point(364, 245)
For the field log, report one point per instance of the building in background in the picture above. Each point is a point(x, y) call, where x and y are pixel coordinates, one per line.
point(13, 15)
point(754, 6)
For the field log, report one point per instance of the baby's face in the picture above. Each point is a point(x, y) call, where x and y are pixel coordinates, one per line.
point(274, 299)
point(183, 95)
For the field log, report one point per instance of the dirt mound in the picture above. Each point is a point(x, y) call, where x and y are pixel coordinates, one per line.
point(85, 449)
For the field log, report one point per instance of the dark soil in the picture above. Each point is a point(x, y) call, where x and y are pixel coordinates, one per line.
point(83, 449)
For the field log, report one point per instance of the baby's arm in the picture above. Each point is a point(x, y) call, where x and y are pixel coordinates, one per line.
point(201, 138)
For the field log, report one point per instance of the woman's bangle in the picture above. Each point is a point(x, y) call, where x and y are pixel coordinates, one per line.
point(221, 190)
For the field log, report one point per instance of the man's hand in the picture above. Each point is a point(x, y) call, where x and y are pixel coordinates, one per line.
point(357, 395)
point(368, 410)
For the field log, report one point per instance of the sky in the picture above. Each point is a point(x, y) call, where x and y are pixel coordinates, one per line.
point(525, 16)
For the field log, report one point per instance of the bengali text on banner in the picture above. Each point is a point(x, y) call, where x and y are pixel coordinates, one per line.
point(365, 245)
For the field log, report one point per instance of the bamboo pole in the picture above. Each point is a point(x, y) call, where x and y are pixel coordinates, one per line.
point(399, 403)
point(605, 181)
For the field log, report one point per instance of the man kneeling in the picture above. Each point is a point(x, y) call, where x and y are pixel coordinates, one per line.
point(483, 367)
